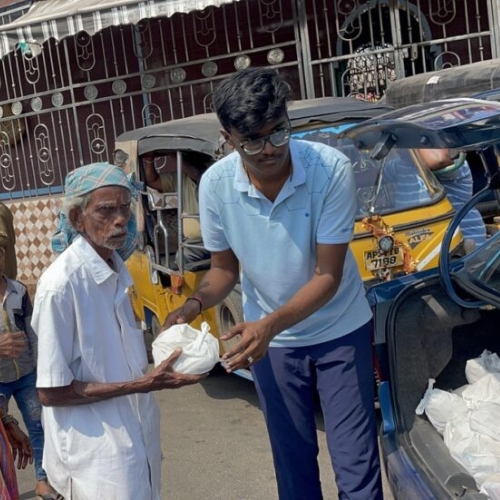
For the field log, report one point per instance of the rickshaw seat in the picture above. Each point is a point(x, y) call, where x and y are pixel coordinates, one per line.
point(198, 265)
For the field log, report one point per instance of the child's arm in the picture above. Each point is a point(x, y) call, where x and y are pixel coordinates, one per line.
point(12, 345)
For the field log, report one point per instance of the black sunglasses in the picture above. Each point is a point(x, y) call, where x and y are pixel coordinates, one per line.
point(277, 139)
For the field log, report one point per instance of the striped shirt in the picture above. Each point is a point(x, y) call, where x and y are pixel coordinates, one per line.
point(459, 189)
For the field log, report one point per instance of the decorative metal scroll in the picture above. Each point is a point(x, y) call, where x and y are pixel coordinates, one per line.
point(63, 103)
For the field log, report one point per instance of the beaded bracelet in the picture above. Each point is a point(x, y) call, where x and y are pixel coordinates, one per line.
point(9, 419)
point(197, 299)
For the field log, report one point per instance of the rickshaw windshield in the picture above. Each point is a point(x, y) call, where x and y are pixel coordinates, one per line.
point(397, 182)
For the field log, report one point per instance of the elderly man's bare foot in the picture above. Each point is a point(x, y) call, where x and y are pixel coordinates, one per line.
point(44, 491)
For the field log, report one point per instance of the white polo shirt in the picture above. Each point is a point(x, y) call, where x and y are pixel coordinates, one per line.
point(86, 330)
point(275, 242)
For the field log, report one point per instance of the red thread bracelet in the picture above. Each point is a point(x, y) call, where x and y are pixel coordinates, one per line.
point(197, 299)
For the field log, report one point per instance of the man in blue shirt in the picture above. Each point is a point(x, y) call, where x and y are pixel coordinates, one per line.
point(279, 215)
point(456, 178)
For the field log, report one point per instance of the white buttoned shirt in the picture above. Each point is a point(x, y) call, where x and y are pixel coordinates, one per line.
point(86, 330)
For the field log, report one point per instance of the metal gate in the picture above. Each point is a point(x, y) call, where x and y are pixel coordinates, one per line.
point(356, 46)
point(62, 103)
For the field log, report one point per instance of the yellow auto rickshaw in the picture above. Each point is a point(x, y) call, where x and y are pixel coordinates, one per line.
point(403, 212)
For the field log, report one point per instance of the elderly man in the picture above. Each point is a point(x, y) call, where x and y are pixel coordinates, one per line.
point(101, 424)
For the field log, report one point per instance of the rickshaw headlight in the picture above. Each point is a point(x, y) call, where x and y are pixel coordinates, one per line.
point(386, 243)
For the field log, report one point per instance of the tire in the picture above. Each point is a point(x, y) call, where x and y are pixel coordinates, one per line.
point(229, 312)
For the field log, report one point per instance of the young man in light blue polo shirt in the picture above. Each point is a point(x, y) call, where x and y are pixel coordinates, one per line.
point(279, 215)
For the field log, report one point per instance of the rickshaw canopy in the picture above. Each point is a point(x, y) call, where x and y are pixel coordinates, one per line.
point(466, 80)
point(201, 133)
point(465, 124)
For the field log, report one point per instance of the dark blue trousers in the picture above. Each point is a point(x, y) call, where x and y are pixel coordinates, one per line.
point(341, 372)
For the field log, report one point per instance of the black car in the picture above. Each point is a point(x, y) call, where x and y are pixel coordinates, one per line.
point(429, 324)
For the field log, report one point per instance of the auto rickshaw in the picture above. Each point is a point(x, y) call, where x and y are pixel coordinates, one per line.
point(395, 234)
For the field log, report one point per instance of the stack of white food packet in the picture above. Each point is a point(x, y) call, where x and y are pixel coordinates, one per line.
point(469, 420)
point(200, 349)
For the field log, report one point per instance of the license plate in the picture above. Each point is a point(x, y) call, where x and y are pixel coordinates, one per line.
point(375, 259)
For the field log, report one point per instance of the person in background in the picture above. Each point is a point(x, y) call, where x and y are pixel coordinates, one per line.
point(8, 241)
point(282, 212)
point(166, 182)
point(458, 185)
point(101, 422)
point(14, 444)
point(18, 372)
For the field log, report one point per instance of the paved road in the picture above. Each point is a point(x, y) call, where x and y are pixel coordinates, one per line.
point(215, 445)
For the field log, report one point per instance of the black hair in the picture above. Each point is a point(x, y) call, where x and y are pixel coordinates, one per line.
point(251, 98)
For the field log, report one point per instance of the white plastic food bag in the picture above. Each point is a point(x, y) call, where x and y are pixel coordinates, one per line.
point(479, 454)
point(486, 389)
point(440, 406)
point(477, 368)
point(485, 419)
point(491, 487)
point(200, 349)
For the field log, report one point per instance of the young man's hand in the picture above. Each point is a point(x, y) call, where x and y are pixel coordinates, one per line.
point(253, 342)
point(184, 314)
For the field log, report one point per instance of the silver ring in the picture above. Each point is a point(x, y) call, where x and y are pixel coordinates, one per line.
point(250, 360)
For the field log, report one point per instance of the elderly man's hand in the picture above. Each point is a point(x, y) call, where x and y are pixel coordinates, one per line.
point(165, 377)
